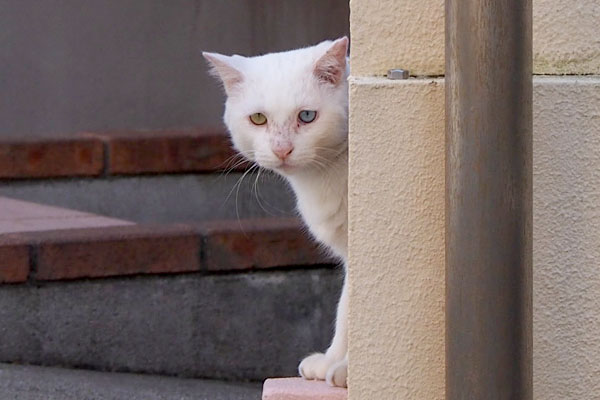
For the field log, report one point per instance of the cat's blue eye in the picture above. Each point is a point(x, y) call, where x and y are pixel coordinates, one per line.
point(307, 116)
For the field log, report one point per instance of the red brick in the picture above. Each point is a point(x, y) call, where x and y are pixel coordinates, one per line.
point(14, 260)
point(45, 158)
point(258, 243)
point(115, 251)
point(193, 150)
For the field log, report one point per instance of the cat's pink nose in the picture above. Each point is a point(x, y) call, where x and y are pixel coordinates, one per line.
point(283, 152)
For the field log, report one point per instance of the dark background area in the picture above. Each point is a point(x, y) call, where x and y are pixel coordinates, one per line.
point(72, 65)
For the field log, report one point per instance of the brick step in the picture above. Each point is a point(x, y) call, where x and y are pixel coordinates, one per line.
point(83, 245)
point(129, 152)
point(43, 383)
point(190, 300)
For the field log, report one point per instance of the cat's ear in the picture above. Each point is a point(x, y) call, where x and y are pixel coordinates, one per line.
point(331, 67)
point(225, 69)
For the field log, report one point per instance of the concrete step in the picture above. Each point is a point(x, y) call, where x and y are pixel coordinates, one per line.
point(163, 198)
point(246, 326)
point(43, 383)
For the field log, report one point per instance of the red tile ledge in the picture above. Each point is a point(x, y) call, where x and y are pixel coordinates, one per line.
point(301, 389)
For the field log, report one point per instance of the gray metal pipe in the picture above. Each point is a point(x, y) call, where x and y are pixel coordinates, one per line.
point(488, 200)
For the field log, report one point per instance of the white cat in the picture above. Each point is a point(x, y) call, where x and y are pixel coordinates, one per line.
point(288, 112)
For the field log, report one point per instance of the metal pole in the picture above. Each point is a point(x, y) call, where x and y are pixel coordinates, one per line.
point(488, 200)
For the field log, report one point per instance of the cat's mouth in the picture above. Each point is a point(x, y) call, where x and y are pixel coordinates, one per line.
point(286, 167)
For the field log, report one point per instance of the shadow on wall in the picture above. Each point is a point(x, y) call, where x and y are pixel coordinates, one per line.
point(68, 65)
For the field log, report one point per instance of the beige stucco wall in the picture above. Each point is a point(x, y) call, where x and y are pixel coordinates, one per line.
point(566, 36)
point(386, 192)
point(410, 34)
point(395, 246)
point(396, 239)
point(566, 237)
point(397, 34)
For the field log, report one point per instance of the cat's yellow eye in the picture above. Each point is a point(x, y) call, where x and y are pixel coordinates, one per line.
point(258, 119)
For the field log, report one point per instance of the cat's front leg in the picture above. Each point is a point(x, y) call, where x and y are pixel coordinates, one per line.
point(332, 365)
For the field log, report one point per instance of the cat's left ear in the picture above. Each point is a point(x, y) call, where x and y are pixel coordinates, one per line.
point(226, 69)
point(331, 67)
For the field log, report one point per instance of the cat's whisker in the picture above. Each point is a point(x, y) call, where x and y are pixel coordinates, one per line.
point(227, 163)
point(279, 210)
point(255, 188)
point(233, 158)
point(330, 150)
point(241, 160)
point(237, 192)
point(238, 182)
point(236, 165)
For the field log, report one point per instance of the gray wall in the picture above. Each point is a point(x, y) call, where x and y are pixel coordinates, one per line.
point(71, 65)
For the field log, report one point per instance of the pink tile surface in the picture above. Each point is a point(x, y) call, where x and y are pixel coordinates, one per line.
point(23, 216)
point(301, 389)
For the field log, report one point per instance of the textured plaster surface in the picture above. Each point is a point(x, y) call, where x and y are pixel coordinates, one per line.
point(566, 36)
point(566, 237)
point(397, 34)
point(396, 239)
point(410, 34)
point(396, 270)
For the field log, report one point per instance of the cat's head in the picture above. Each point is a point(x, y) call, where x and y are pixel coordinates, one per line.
point(287, 111)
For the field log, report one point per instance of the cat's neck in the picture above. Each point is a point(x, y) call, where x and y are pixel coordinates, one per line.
point(322, 196)
point(323, 182)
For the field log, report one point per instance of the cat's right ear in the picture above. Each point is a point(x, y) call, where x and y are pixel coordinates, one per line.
point(331, 67)
point(223, 68)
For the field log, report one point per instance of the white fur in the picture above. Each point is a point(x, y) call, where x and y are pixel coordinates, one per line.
point(280, 85)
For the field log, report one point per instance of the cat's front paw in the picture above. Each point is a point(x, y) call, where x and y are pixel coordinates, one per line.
point(337, 374)
point(319, 366)
point(315, 366)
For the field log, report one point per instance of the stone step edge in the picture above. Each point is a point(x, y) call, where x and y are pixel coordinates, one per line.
point(301, 389)
point(214, 246)
point(114, 153)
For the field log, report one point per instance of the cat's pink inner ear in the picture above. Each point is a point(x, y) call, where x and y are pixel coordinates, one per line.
point(221, 68)
point(331, 66)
